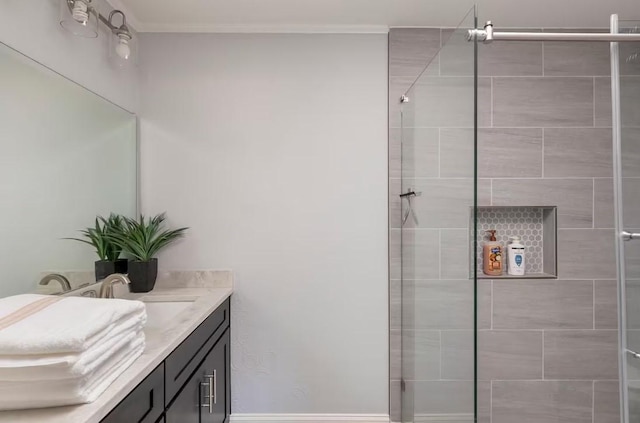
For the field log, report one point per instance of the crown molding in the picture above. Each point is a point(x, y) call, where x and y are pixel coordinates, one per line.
point(132, 20)
point(262, 29)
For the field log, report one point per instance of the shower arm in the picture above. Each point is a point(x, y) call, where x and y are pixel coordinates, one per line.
point(488, 35)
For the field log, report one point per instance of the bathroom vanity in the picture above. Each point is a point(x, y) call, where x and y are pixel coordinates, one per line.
point(183, 376)
point(191, 385)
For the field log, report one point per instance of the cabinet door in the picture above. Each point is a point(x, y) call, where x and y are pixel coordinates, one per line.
point(205, 397)
point(216, 367)
point(144, 404)
point(186, 406)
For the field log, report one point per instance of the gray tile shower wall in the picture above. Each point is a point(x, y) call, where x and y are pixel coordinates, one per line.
point(545, 136)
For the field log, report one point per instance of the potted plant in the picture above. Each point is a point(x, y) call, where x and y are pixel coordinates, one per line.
point(99, 237)
point(142, 239)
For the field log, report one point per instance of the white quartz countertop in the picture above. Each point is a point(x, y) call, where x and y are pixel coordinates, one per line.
point(159, 344)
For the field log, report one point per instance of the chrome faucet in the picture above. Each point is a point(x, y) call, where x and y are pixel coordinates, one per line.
point(64, 282)
point(106, 290)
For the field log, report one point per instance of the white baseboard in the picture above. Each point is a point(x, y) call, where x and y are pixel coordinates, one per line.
point(443, 418)
point(309, 418)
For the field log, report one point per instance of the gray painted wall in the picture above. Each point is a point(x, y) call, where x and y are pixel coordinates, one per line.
point(547, 349)
point(273, 149)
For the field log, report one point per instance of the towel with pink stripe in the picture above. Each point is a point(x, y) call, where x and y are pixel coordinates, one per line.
point(65, 350)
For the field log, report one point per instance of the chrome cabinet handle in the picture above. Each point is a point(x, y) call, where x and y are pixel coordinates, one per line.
point(209, 397)
point(212, 395)
point(215, 387)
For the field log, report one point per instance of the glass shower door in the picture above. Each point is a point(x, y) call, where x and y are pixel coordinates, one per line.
point(626, 121)
point(438, 200)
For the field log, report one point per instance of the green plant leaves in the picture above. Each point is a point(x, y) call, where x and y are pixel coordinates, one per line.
point(142, 239)
point(99, 236)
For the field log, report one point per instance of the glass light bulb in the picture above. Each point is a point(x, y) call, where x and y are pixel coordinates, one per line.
point(80, 12)
point(122, 49)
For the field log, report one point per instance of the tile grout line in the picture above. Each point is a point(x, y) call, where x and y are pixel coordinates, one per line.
point(439, 356)
point(543, 332)
point(594, 101)
point(593, 401)
point(593, 303)
point(543, 142)
point(593, 206)
point(439, 152)
point(491, 401)
point(491, 316)
point(491, 105)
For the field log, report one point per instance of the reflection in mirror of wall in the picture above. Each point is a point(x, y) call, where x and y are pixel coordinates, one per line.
point(67, 156)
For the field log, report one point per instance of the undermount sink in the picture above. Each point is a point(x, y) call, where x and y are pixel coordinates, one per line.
point(160, 314)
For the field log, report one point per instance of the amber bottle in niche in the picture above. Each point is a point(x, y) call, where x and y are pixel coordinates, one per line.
point(492, 257)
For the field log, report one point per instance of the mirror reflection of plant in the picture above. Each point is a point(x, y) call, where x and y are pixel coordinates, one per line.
point(143, 238)
point(100, 235)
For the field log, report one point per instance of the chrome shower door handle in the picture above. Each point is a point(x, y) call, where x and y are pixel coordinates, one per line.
point(210, 397)
point(629, 236)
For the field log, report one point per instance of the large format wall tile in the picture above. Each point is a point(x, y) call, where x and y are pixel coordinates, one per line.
point(578, 152)
point(633, 310)
point(581, 354)
point(606, 402)
point(444, 203)
point(631, 202)
point(444, 397)
point(603, 203)
point(542, 304)
point(605, 302)
point(576, 59)
point(510, 59)
point(543, 102)
point(441, 305)
point(420, 254)
point(629, 64)
point(630, 152)
point(574, 197)
point(457, 153)
point(421, 355)
point(417, 157)
point(454, 254)
point(445, 102)
point(457, 355)
point(586, 254)
point(542, 402)
point(484, 301)
point(503, 59)
point(410, 50)
point(509, 355)
point(509, 152)
point(629, 94)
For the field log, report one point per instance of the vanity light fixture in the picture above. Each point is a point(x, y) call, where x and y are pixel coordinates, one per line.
point(81, 17)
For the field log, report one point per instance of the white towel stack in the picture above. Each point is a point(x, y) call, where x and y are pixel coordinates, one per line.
point(65, 350)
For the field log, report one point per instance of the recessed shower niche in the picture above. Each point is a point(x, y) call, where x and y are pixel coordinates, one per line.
point(535, 225)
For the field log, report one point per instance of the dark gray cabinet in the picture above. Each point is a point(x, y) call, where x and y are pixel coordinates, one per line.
point(205, 398)
point(191, 386)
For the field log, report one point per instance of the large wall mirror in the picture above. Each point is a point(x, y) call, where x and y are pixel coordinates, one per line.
point(67, 156)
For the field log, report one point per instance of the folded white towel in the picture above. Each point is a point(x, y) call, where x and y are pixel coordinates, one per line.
point(66, 325)
point(66, 366)
point(122, 328)
point(18, 395)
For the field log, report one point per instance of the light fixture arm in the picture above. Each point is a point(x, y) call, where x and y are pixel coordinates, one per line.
point(108, 21)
